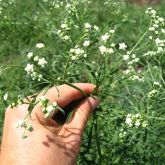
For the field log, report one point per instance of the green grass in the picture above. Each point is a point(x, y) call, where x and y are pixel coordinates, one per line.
point(23, 24)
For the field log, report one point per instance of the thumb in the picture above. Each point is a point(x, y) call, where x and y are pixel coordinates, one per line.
point(82, 113)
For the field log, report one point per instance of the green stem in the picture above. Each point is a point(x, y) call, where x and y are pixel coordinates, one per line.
point(141, 38)
point(97, 138)
point(66, 68)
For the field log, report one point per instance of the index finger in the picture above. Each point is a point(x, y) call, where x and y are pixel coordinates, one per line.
point(63, 95)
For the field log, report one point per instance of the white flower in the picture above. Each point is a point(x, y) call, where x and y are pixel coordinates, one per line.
point(68, 5)
point(64, 26)
point(58, 32)
point(160, 19)
point(137, 115)
point(86, 43)
point(110, 50)
point(128, 121)
point(163, 30)
point(129, 115)
point(152, 93)
point(150, 37)
point(133, 56)
point(102, 49)
point(39, 77)
point(42, 62)
point(5, 96)
point(43, 98)
point(112, 31)
point(126, 71)
point(156, 32)
point(155, 25)
point(29, 68)
point(66, 37)
point(137, 123)
point(20, 123)
point(122, 134)
point(57, 6)
point(85, 55)
point(73, 58)
point(43, 110)
point(160, 50)
point(36, 58)
point(126, 57)
point(153, 12)
point(136, 59)
point(122, 46)
point(157, 84)
point(136, 77)
point(144, 124)
point(78, 51)
point(30, 55)
point(40, 45)
point(159, 42)
point(151, 29)
point(71, 50)
point(87, 26)
point(33, 75)
point(112, 45)
point(105, 37)
point(50, 109)
point(96, 28)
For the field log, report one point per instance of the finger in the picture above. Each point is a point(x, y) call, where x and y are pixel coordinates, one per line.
point(63, 95)
point(82, 114)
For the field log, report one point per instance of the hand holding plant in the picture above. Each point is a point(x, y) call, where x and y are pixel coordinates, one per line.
point(49, 143)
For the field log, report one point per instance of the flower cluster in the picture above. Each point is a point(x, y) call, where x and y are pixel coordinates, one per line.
point(35, 63)
point(22, 123)
point(63, 33)
point(122, 46)
point(135, 120)
point(77, 52)
point(19, 101)
point(156, 28)
point(88, 27)
point(122, 133)
point(155, 91)
point(103, 48)
point(48, 108)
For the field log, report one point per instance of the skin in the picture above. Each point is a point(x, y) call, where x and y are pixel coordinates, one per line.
point(48, 143)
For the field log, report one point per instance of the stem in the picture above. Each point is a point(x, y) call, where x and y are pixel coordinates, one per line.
point(78, 20)
point(97, 138)
point(102, 80)
point(11, 66)
point(141, 38)
point(66, 68)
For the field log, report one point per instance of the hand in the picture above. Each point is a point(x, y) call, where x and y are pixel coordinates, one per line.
point(48, 143)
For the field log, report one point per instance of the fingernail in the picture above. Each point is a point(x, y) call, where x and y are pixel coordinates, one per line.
point(94, 102)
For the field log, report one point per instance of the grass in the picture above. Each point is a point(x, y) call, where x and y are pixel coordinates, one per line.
point(26, 23)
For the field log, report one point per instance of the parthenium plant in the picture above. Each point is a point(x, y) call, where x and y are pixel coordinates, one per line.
point(89, 53)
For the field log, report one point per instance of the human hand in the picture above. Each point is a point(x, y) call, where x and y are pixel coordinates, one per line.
point(49, 143)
